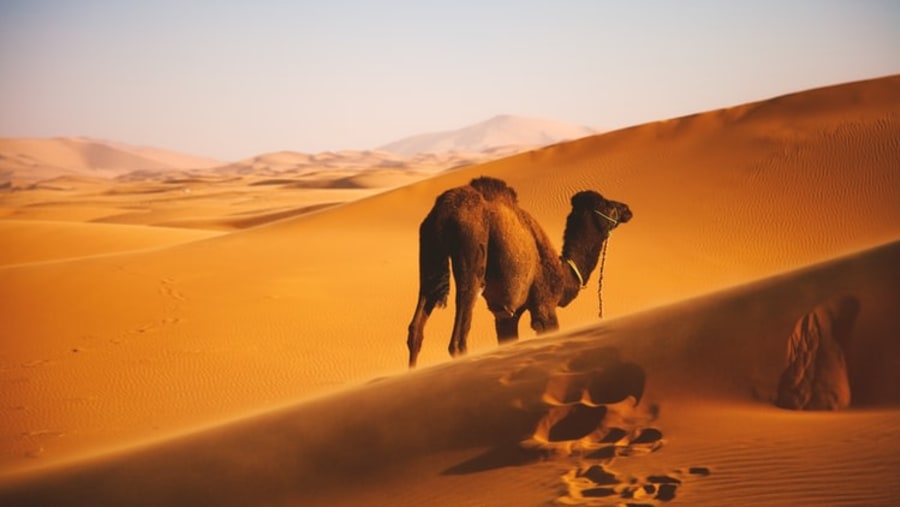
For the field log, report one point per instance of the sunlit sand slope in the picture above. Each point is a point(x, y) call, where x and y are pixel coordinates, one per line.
point(104, 350)
point(668, 404)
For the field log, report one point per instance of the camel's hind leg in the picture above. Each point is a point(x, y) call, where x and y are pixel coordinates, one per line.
point(434, 282)
point(469, 264)
point(417, 327)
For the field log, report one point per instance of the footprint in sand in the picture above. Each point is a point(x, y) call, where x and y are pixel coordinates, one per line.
point(571, 422)
point(588, 416)
point(169, 289)
point(618, 442)
point(592, 419)
point(593, 481)
point(526, 374)
point(596, 377)
point(580, 398)
point(599, 485)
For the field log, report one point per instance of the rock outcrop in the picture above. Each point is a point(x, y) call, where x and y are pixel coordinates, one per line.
point(816, 374)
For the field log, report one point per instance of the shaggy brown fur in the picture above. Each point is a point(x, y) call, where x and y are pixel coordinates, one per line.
point(497, 249)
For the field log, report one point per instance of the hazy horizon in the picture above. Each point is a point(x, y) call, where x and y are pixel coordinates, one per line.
point(230, 80)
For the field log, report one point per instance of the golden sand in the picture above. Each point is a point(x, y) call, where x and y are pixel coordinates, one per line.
point(217, 346)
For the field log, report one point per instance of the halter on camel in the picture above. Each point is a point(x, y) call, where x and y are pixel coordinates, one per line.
point(614, 220)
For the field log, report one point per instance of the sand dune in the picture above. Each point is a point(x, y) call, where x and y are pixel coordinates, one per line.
point(26, 241)
point(144, 345)
point(496, 436)
point(497, 132)
point(24, 161)
point(202, 201)
point(236, 196)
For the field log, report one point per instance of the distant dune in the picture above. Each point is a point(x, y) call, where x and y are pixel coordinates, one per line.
point(263, 361)
point(169, 158)
point(77, 179)
point(56, 163)
point(497, 132)
point(32, 160)
point(185, 191)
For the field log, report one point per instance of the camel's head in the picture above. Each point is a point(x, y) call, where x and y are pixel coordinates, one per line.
point(588, 226)
point(593, 210)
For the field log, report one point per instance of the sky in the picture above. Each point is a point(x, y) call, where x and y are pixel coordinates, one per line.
point(232, 79)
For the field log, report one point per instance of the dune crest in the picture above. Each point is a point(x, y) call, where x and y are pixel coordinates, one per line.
point(28, 160)
point(499, 132)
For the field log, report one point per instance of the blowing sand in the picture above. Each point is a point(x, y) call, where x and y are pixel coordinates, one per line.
point(234, 367)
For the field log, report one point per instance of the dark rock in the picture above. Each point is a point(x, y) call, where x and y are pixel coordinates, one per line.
point(816, 374)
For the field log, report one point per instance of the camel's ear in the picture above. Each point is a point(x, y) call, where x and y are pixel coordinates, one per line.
point(587, 199)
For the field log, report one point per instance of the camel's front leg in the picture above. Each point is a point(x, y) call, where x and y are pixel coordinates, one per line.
point(466, 296)
point(507, 325)
point(544, 320)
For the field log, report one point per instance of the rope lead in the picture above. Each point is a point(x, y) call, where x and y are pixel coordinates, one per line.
point(600, 277)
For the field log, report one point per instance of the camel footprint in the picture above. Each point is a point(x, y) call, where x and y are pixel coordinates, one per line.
point(592, 418)
point(618, 442)
point(581, 399)
point(598, 485)
point(589, 415)
point(594, 482)
point(170, 290)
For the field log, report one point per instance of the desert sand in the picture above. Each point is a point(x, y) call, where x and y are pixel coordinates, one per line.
point(159, 350)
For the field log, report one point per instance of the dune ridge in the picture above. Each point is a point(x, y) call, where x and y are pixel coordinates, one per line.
point(28, 160)
point(146, 344)
point(39, 241)
point(499, 132)
point(85, 180)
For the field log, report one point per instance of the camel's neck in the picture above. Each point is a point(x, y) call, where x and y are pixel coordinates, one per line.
point(579, 259)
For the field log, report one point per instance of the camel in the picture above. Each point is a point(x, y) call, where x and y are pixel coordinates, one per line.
point(498, 250)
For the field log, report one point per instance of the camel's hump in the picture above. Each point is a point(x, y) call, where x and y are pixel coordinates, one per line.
point(493, 188)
